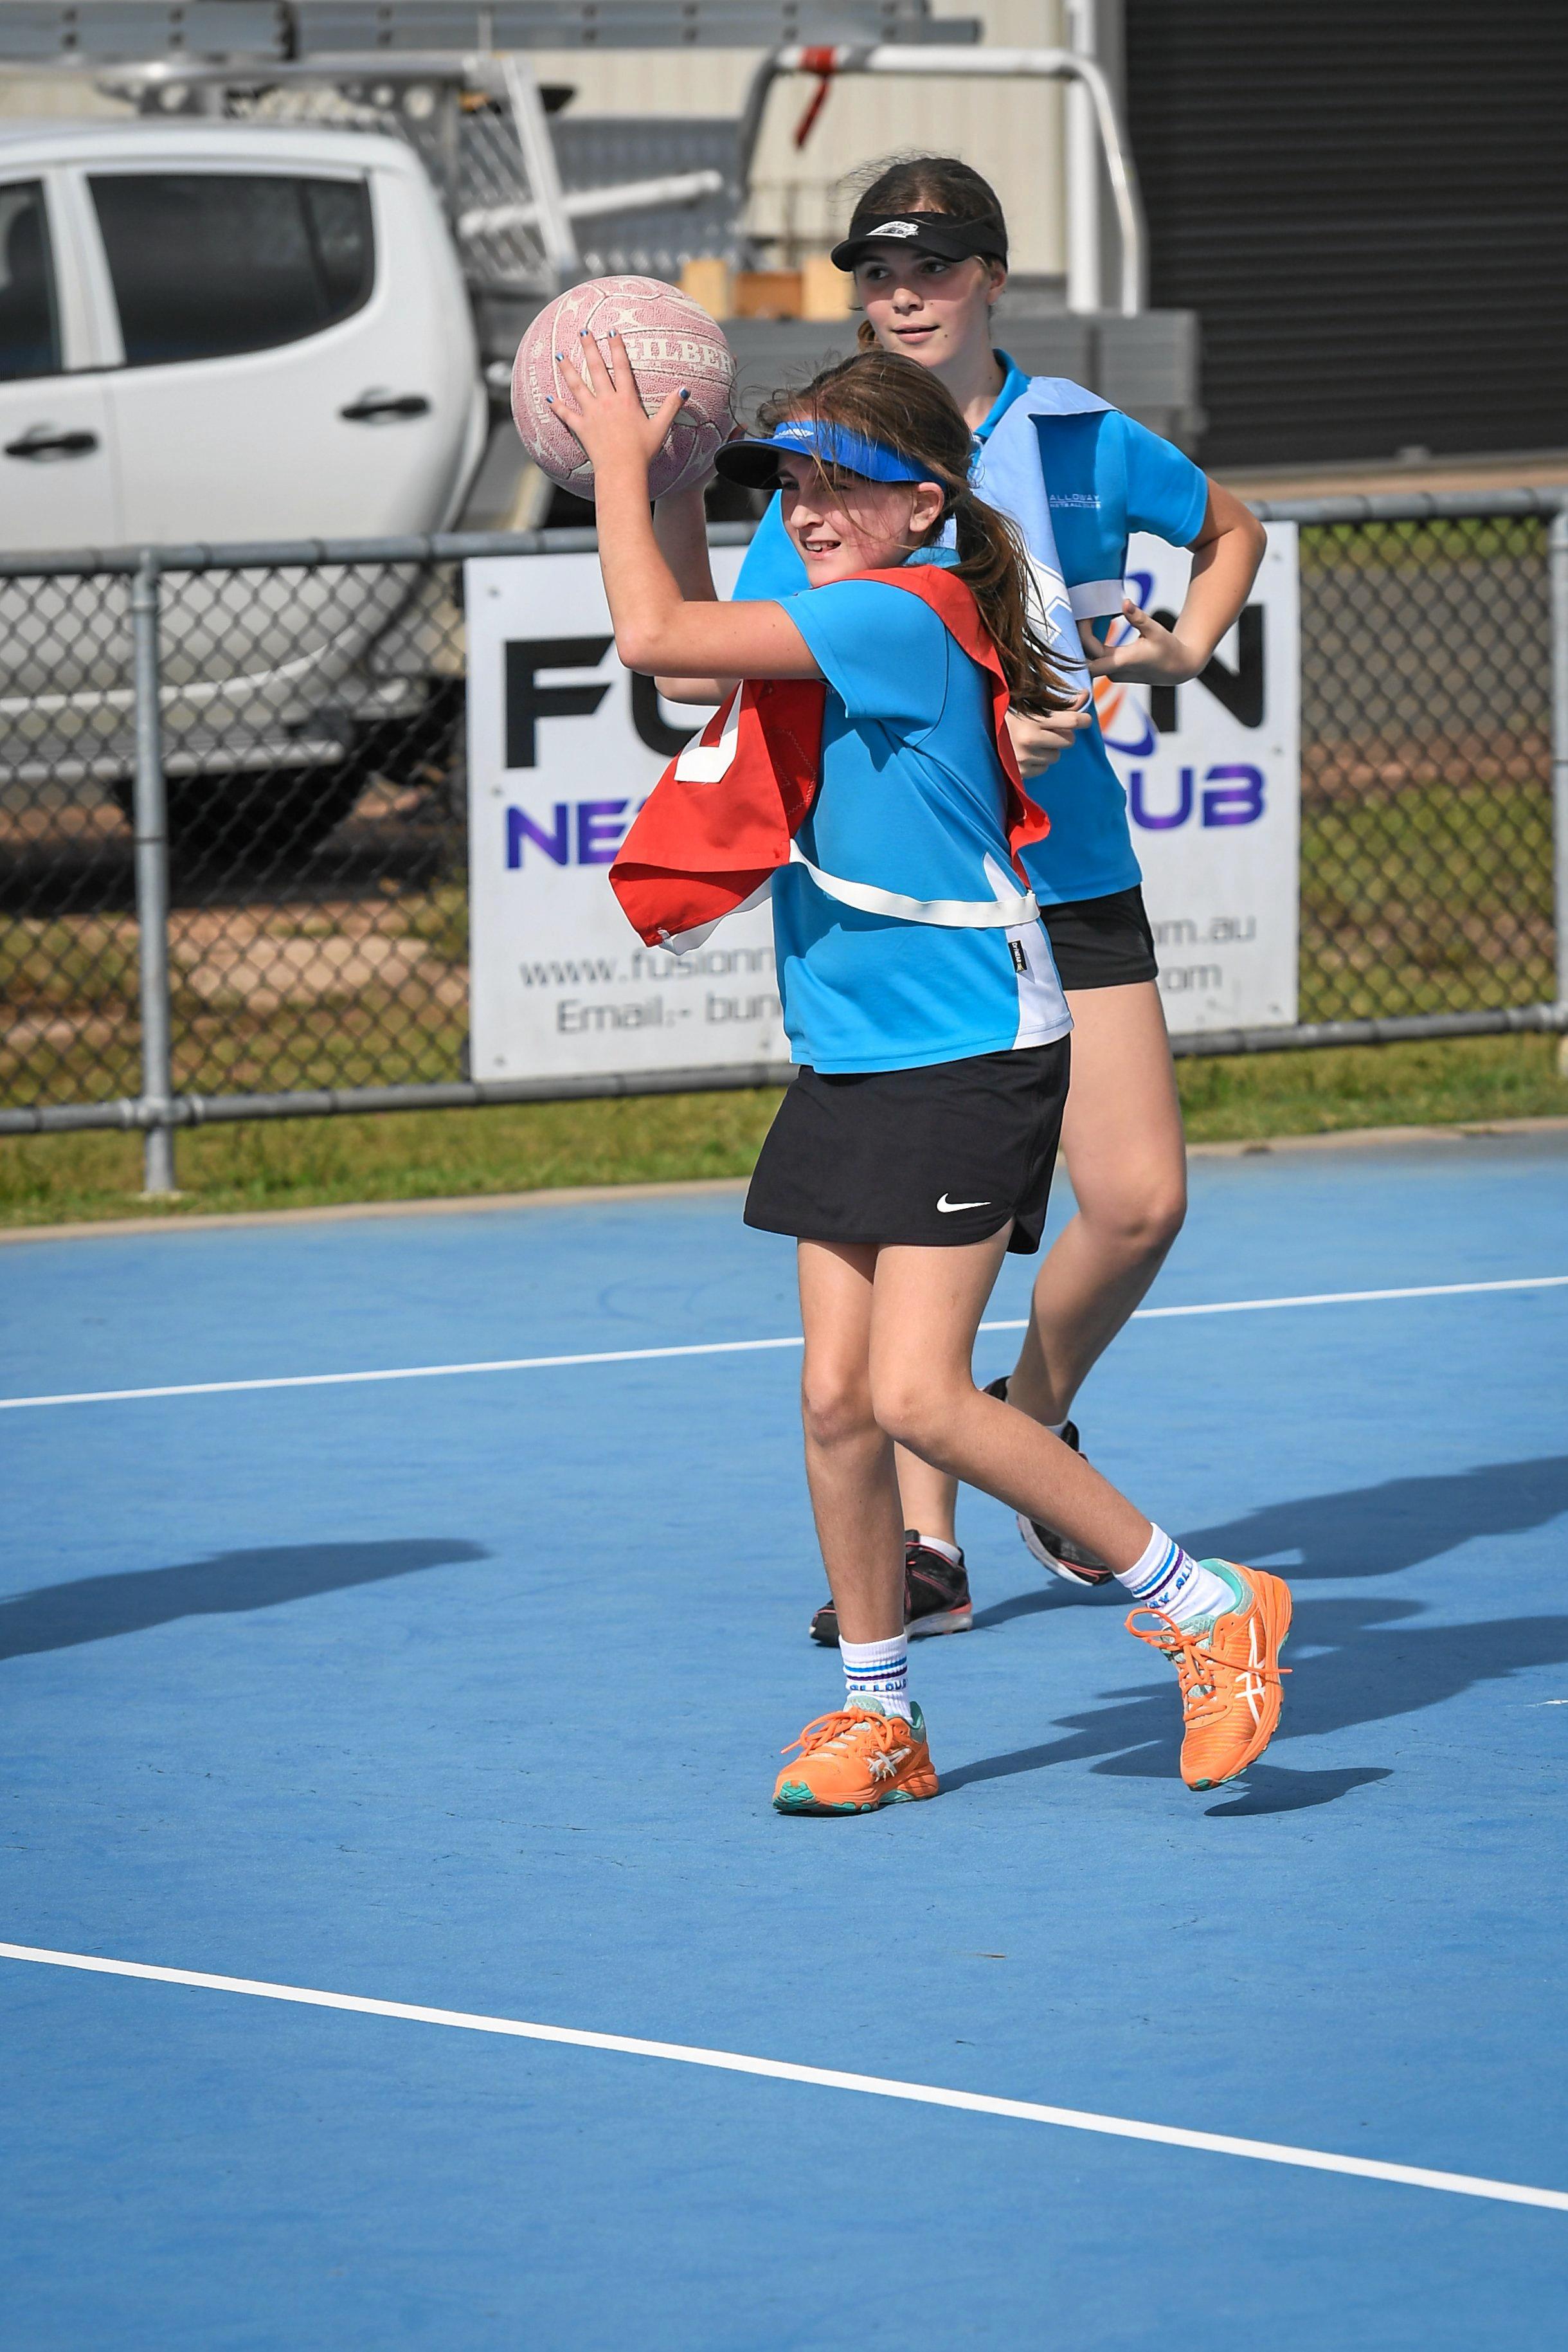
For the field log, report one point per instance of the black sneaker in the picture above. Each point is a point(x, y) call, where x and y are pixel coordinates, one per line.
point(935, 1597)
point(1048, 1545)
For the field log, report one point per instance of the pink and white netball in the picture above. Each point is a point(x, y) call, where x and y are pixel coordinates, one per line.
point(671, 341)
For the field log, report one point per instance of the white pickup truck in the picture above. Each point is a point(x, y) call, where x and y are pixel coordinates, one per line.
point(227, 331)
point(220, 331)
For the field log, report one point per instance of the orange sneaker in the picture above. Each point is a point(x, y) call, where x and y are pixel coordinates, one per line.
point(855, 1760)
point(1229, 1670)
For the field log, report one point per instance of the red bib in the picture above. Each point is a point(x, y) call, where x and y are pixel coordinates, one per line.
point(693, 855)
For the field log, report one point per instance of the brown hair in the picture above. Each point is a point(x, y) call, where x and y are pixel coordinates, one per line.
point(922, 183)
point(908, 408)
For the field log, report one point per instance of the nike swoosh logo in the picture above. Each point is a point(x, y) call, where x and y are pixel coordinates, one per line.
point(944, 1207)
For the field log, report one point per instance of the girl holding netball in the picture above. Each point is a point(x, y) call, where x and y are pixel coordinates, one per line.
point(928, 247)
point(917, 1144)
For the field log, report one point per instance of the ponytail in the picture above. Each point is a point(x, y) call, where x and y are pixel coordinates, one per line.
point(993, 563)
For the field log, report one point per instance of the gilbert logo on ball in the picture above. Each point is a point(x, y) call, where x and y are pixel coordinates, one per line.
point(670, 340)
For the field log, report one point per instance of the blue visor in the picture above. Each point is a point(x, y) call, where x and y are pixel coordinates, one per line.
point(755, 463)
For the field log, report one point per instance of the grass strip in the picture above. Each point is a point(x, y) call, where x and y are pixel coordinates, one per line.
point(527, 1146)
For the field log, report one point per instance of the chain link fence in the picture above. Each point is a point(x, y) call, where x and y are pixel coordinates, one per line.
point(1426, 789)
point(233, 794)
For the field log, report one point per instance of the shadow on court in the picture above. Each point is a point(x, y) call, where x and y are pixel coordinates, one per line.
point(1364, 1531)
point(1268, 1789)
point(100, 1608)
point(1377, 1530)
point(1354, 1662)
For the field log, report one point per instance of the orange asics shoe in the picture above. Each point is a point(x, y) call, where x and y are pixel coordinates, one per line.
point(1228, 1669)
point(853, 1761)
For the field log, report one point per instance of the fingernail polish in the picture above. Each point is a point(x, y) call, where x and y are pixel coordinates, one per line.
point(685, 394)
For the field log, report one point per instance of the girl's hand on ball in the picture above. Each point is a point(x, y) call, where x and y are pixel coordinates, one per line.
point(697, 489)
point(599, 401)
point(1152, 655)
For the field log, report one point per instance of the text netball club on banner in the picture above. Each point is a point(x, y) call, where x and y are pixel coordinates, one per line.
point(564, 744)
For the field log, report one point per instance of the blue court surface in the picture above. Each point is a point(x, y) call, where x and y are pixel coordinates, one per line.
point(463, 1695)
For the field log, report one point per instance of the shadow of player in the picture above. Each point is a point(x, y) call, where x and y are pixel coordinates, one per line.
point(1362, 1531)
point(131, 1601)
point(1377, 1530)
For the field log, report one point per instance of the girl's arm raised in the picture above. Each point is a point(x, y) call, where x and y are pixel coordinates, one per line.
point(657, 629)
point(680, 526)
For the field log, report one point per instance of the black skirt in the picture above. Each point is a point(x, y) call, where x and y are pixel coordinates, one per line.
point(928, 1158)
point(1101, 942)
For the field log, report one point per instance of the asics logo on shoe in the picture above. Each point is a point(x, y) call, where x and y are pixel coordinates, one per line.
point(1251, 1680)
point(884, 1766)
point(944, 1207)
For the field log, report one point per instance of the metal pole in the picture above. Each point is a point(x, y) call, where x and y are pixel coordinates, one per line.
point(528, 119)
point(149, 812)
point(1082, 176)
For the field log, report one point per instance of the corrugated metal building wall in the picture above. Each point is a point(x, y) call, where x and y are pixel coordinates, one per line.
point(1367, 205)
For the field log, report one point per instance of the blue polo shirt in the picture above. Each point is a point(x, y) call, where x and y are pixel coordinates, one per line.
point(1106, 476)
point(912, 800)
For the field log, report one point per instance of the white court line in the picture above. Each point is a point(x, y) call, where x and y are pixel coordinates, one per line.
point(736, 1347)
point(826, 2078)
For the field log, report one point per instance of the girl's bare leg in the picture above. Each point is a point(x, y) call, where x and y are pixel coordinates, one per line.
point(1122, 1141)
point(926, 1307)
point(848, 1460)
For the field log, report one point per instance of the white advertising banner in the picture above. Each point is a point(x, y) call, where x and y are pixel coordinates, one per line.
point(1212, 773)
point(564, 745)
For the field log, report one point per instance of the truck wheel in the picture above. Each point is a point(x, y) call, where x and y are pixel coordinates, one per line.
point(275, 816)
point(417, 750)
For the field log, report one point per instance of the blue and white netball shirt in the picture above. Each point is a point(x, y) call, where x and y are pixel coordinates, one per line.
point(912, 801)
point(1104, 476)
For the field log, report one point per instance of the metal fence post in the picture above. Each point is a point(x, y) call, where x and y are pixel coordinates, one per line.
point(1557, 545)
point(150, 812)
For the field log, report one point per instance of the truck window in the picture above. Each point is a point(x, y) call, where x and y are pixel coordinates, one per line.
point(205, 263)
point(29, 333)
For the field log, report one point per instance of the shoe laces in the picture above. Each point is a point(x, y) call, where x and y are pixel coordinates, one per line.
point(845, 1721)
point(1197, 1666)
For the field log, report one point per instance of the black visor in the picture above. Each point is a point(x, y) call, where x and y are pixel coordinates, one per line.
point(872, 232)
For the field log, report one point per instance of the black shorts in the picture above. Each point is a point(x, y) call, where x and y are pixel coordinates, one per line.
point(926, 1158)
point(1101, 942)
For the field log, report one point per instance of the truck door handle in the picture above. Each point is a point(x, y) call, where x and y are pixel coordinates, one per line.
point(371, 406)
point(42, 441)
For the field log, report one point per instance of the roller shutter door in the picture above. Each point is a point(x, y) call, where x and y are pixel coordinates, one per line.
point(1367, 205)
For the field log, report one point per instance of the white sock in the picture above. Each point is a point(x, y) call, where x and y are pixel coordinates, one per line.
point(1057, 1427)
point(949, 1552)
point(1169, 1578)
point(876, 1675)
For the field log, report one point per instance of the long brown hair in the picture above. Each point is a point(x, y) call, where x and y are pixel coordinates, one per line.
point(922, 183)
point(908, 408)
